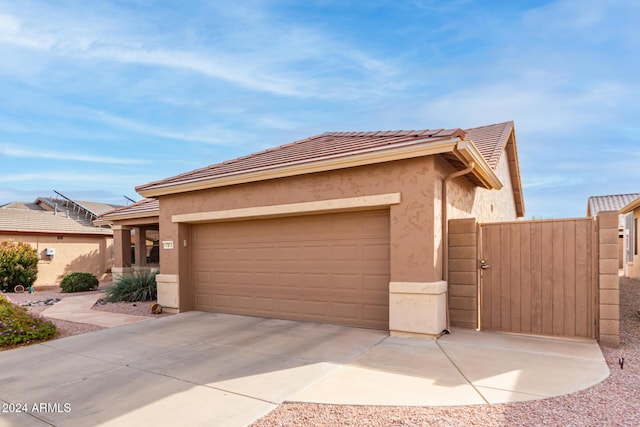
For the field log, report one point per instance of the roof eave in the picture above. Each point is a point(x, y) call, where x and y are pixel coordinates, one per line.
point(106, 233)
point(114, 218)
point(322, 165)
point(631, 206)
point(468, 152)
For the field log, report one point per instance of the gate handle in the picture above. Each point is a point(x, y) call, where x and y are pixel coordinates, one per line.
point(483, 264)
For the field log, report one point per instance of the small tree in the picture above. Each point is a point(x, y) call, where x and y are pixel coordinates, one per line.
point(18, 265)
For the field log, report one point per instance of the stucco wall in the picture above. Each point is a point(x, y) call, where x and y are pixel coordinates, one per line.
point(411, 221)
point(73, 253)
point(415, 223)
point(465, 200)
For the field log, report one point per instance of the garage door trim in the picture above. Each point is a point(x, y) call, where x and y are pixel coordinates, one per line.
point(292, 209)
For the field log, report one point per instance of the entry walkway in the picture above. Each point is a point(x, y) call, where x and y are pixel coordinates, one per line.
point(199, 368)
point(78, 309)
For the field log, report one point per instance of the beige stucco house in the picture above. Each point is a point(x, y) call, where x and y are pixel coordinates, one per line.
point(343, 227)
point(631, 213)
point(613, 202)
point(62, 233)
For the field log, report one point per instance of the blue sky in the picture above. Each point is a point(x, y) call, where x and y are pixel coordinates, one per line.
point(98, 97)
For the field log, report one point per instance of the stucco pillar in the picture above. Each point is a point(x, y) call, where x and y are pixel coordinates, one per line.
point(122, 246)
point(417, 296)
point(608, 280)
point(173, 292)
point(412, 242)
point(122, 251)
point(140, 246)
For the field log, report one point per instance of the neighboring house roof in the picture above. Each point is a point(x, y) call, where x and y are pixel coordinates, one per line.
point(631, 206)
point(21, 205)
point(93, 207)
point(334, 150)
point(141, 209)
point(25, 219)
point(611, 202)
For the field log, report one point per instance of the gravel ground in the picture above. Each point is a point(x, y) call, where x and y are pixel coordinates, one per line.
point(139, 308)
point(67, 329)
point(613, 402)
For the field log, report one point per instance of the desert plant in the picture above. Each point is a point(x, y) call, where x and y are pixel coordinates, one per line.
point(18, 265)
point(79, 282)
point(138, 287)
point(18, 326)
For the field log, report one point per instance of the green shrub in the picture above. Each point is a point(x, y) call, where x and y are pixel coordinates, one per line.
point(139, 287)
point(18, 326)
point(79, 282)
point(18, 265)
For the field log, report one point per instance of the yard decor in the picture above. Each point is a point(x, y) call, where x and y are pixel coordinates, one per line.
point(79, 282)
point(18, 265)
point(18, 326)
point(138, 287)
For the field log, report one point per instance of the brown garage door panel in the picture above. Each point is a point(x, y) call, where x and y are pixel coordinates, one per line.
point(326, 268)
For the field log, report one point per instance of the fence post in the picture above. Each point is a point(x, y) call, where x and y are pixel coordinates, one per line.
point(608, 280)
point(463, 273)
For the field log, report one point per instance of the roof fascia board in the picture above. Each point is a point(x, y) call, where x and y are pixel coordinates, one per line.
point(107, 233)
point(292, 209)
point(514, 168)
point(468, 152)
point(360, 159)
point(631, 206)
point(111, 218)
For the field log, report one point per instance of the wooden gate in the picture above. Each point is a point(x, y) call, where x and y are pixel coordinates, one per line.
point(537, 277)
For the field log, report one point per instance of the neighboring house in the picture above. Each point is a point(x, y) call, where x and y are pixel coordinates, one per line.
point(62, 233)
point(612, 202)
point(343, 227)
point(631, 213)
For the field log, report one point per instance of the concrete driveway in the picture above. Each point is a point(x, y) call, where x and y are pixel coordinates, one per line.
point(216, 369)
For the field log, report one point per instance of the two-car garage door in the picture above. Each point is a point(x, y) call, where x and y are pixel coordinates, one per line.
point(325, 268)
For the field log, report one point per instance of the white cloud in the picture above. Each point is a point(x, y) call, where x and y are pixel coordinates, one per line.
point(278, 123)
point(534, 105)
point(12, 151)
point(294, 61)
point(12, 31)
point(53, 177)
point(147, 129)
point(9, 24)
point(550, 181)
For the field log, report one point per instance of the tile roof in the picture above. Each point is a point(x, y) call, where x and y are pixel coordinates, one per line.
point(490, 142)
point(22, 205)
point(26, 220)
point(611, 202)
point(144, 207)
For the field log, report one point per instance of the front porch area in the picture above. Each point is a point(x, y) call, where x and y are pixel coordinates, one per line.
point(136, 237)
point(136, 249)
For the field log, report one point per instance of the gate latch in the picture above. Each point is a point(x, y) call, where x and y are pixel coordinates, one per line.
point(483, 264)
